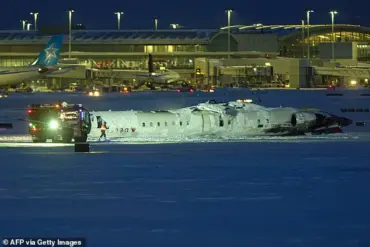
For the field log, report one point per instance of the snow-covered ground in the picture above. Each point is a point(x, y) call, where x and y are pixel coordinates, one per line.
point(310, 191)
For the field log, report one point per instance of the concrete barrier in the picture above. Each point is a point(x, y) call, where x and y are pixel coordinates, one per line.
point(354, 110)
point(360, 123)
point(82, 147)
point(6, 126)
point(334, 94)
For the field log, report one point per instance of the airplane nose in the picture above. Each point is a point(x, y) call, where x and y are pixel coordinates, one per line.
point(345, 121)
point(342, 121)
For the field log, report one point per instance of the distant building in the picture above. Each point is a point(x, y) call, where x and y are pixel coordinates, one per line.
point(177, 48)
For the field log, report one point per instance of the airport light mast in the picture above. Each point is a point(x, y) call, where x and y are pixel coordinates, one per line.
point(29, 26)
point(229, 11)
point(332, 13)
point(118, 19)
point(70, 11)
point(308, 12)
point(35, 17)
point(24, 22)
point(155, 18)
point(302, 38)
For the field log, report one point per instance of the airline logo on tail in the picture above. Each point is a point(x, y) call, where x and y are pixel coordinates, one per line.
point(51, 52)
point(50, 55)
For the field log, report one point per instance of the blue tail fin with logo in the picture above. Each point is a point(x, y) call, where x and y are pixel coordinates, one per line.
point(50, 55)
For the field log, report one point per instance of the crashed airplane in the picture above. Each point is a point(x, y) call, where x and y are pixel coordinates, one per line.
point(235, 118)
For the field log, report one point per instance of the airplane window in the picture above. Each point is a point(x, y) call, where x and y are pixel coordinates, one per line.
point(165, 123)
point(221, 123)
point(229, 122)
point(151, 124)
point(187, 122)
point(143, 124)
point(180, 123)
point(158, 124)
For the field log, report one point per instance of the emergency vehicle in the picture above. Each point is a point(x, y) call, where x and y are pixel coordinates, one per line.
point(58, 122)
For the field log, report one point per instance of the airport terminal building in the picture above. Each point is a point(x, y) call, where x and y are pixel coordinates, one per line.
point(180, 48)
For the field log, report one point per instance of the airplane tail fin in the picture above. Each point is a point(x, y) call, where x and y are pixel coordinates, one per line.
point(150, 64)
point(50, 54)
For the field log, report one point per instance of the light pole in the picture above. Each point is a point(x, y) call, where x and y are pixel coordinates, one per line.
point(24, 22)
point(155, 22)
point(35, 16)
point(70, 11)
point(229, 11)
point(302, 38)
point(118, 19)
point(29, 26)
point(332, 13)
point(308, 12)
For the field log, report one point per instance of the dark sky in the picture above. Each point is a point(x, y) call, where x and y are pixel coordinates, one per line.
point(189, 13)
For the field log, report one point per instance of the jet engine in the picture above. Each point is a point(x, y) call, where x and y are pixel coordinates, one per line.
point(303, 120)
point(150, 84)
point(185, 84)
point(42, 70)
point(318, 121)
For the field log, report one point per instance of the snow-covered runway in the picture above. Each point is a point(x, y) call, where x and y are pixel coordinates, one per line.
point(26, 141)
point(206, 191)
point(193, 194)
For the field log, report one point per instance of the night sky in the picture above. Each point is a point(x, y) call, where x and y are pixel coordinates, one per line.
point(188, 13)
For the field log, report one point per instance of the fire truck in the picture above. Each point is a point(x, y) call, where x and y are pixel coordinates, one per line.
point(58, 122)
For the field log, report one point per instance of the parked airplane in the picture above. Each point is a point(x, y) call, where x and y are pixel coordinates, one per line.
point(162, 79)
point(153, 78)
point(45, 63)
point(214, 118)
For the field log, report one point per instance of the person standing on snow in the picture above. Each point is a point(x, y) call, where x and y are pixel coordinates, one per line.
point(103, 130)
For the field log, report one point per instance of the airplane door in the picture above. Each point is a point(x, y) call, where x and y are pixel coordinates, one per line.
point(99, 121)
point(206, 123)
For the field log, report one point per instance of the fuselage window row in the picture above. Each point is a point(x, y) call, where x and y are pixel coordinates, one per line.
point(165, 124)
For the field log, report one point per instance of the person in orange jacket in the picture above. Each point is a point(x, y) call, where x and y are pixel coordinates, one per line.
point(103, 130)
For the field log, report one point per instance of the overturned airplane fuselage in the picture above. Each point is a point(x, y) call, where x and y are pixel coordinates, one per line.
point(213, 118)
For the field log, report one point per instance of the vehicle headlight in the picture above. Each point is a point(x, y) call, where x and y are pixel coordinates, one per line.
point(53, 124)
point(90, 93)
point(353, 82)
point(96, 93)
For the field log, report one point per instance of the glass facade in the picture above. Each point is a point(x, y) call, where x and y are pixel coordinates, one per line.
point(173, 48)
point(142, 63)
point(363, 52)
point(339, 37)
point(6, 62)
point(299, 47)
